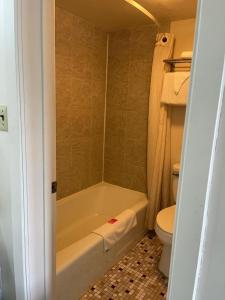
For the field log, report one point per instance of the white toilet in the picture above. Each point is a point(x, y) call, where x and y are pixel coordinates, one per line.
point(164, 225)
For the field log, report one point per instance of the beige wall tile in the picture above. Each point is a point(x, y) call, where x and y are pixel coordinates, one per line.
point(142, 42)
point(97, 119)
point(96, 166)
point(97, 64)
point(64, 157)
point(113, 172)
point(136, 125)
point(63, 37)
point(134, 177)
point(119, 44)
point(64, 184)
point(82, 67)
point(115, 122)
point(63, 89)
point(64, 122)
point(118, 68)
point(114, 141)
point(81, 123)
point(139, 86)
point(63, 65)
point(129, 73)
point(83, 31)
point(135, 152)
point(80, 89)
point(98, 94)
point(115, 154)
point(81, 95)
point(117, 97)
point(81, 157)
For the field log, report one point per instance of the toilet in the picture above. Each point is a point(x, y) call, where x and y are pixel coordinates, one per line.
point(164, 225)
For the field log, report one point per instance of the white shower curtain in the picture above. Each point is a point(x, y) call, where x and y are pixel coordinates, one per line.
point(158, 156)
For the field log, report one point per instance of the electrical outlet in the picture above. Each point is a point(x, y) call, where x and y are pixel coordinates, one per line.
point(3, 118)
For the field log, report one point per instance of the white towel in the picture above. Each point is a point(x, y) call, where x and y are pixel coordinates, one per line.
point(113, 231)
point(175, 88)
point(187, 54)
point(179, 80)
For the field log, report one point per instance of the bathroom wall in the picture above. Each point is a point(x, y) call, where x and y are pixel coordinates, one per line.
point(129, 73)
point(184, 38)
point(184, 34)
point(80, 93)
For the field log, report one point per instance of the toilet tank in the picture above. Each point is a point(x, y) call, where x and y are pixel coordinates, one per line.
point(175, 178)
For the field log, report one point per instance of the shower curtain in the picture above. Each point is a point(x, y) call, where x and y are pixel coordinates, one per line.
point(159, 123)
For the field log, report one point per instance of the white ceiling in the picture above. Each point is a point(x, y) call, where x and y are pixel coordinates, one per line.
point(170, 10)
point(111, 15)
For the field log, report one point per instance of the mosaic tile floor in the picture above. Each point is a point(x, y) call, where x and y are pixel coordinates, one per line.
point(135, 276)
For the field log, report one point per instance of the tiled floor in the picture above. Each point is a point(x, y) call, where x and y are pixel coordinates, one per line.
point(135, 276)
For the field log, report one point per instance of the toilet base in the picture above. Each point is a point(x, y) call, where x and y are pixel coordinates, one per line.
point(164, 263)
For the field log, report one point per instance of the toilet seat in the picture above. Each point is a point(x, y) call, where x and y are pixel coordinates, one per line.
point(165, 219)
point(164, 225)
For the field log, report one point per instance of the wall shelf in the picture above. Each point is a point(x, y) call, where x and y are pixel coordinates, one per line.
point(178, 61)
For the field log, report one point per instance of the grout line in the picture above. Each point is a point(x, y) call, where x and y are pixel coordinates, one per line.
point(106, 86)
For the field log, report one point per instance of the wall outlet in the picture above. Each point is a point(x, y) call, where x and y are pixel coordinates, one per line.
point(3, 118)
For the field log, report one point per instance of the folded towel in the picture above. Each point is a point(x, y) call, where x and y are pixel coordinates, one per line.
point(175, 88)
point(116, 228)
point(179, 80)
point(187, 54)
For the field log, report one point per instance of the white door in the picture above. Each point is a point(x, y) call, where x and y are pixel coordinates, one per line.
point(199, 245)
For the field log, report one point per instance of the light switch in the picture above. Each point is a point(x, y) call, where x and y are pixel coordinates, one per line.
point(3, 118)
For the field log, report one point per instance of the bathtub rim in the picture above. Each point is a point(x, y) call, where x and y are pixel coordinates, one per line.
point(66, 256)
point(66, 199)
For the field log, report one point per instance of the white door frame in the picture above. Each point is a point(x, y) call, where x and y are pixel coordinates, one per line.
point(35, 45)
point(35, 52)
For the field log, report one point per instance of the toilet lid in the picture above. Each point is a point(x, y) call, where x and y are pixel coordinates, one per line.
point(165, 219)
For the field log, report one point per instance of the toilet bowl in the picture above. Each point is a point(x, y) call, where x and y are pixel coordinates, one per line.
point(164, 226)
point(164, 230)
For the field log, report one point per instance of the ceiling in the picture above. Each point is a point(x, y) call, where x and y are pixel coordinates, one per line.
point(170, 10)
point(111, 15)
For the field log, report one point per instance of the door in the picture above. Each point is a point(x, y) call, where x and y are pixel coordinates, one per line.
point(202, 142)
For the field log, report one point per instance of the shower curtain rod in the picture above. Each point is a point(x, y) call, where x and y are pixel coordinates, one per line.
point(144, 11)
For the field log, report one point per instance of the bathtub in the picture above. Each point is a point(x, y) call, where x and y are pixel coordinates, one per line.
point(80, 257)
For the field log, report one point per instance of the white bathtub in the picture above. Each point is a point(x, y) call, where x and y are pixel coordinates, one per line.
point(80, 258)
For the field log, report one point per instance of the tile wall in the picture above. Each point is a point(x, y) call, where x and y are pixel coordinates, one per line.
point(129, 73)
point(81, 56)
point(80, 92)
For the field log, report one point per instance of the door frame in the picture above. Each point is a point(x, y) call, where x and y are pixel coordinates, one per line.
point(35, 71)
point(35, 66)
